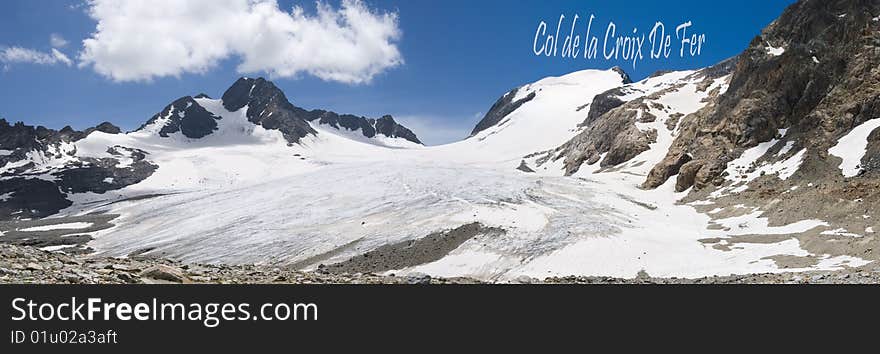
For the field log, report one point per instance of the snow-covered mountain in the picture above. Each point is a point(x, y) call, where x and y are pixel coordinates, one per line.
point(761, 163)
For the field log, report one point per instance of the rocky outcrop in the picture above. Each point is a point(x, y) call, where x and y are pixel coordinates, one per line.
point(369, 127)
point(22, 137)
point(813, 72)
point(504, 106)
point(388, 127)
point(616, 128)
point(268, 106)
point(32, 190)
point(603, 103)
point(185, 116)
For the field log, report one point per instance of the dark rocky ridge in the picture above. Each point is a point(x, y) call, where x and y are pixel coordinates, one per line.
point(504, 106)
point(27, 195)
point(269, 107)
point(19, 136)
point(186, 116)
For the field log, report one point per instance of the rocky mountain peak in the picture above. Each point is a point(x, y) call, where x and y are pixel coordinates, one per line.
point(389, 127)
point(246, 91)
point(184, 115)
point(269, 107)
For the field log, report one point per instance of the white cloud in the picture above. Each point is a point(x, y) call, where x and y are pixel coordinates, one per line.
point(57, 41)
point(439, 130)
point(139, 40)
point(19, 55)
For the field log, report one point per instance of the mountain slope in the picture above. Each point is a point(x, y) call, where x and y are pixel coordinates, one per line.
point(42, 169)
point(762, 163)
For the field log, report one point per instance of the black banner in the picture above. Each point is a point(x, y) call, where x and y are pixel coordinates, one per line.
point(331, 317)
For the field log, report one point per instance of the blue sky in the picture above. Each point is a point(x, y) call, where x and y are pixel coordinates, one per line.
point(455, 59)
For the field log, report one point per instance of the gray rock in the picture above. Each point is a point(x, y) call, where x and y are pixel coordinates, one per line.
point(164, 272)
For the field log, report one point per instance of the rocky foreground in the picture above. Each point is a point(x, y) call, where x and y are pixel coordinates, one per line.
point(27, 265)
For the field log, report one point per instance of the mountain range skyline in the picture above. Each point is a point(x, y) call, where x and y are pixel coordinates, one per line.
point(439, 88)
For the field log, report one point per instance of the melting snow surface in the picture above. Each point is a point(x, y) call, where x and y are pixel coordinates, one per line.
point(840, 232)
point(852, 147)
point(65, 226)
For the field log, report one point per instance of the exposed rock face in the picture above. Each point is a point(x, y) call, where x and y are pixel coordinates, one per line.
point(369, 127)
point(616, 136)
point(102, 175)
point(105, 127)
point(814, 72)
point(388, 127)
point(603, 103)
point(21, 137)
point(186, 116)
point(269, 107)
point(32, 189)
point(611, 134)
point(623, 74)
point(30, 198)
point(523, 166)
point(504, 106)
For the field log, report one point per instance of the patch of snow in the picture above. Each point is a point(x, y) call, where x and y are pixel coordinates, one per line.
point(785, 149)
point(107, 180)
point(815, 60)
point(774, 51)
point(64, 226)
point(746, 168)
point(852, 147)
point(56, 248)
point(840, 232)
point(5, 152)
point(869, 230)
point(840, 262)
point(753, 224)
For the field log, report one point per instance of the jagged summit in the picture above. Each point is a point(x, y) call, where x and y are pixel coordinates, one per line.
point(184, 115)
point(270, 108)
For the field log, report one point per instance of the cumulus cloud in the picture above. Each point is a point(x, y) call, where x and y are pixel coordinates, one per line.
point(139, 40)
point(19, 55)
point(57, 41)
